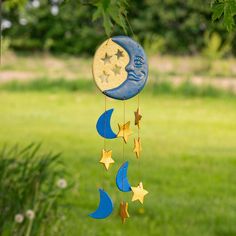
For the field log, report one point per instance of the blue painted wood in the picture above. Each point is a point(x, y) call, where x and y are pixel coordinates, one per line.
point(137, 70)
point(105, 207)
point(122, 179)
point(104, 125)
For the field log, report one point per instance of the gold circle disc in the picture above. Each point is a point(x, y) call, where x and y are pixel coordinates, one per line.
point(109, 65)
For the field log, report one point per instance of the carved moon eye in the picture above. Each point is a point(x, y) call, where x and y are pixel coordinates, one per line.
point(138, 61)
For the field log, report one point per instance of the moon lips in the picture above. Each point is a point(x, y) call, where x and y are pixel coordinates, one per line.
point(103, 125)
point(122, 179)
point(105, 207)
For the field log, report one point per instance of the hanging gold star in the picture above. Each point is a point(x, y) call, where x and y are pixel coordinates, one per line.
point(124, 211)
point(119, 54)
point(106, 159)
point(138, 117)
point(116, 69)
point(106, 59)
point(137, 147)
point(139, 192)
point(124, 131)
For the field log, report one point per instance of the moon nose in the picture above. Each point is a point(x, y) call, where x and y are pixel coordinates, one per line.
point(129, 67)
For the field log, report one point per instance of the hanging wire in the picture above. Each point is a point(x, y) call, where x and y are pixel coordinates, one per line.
point(0, 32)
point(105, 109)
point(123, 153)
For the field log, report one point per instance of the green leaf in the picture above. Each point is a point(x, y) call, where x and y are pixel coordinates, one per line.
point(107, 24)
point(218, 10)
point(97, 14)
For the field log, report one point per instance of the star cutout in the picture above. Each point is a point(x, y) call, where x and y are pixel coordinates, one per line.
point(139, 192)
point(124, 131)
point(137, 147)
point(119, 54)
point(138, 117)
point(106, 159)
point(124, 211)
point(106, 59)
point(104, 77)
point(116, 69)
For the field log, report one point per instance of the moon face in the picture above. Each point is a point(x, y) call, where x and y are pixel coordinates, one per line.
point(120, 68)
point(104, 125)
point(105, 207)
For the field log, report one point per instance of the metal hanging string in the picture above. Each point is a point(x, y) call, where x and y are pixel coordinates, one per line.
point(123, 154)
point(0, 32)
point(105, 109)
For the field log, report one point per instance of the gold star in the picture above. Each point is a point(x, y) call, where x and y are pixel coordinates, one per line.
point(139, 193)
point(119, 54)
point(124, 211)
point(106, 159)
point(104, 77)
point(137, 147)
point(124, 131)
point(138, 117)
point(116, 69)
point(106, 59)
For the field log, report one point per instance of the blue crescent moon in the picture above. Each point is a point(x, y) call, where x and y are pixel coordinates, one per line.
point(137, 70)
point(104, 125)
point(121, 178)
point(105, 207)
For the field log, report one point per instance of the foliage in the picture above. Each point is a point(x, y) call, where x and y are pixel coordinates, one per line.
point(112, 12)
point(215, 48)
point(29, 183)
point(169, 26)
point(225, 9)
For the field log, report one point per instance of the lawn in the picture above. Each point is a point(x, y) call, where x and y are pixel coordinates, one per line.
point(188, 161)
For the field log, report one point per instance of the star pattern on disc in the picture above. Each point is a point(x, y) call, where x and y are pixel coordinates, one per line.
point(138, 117)
point(139, 193)
point(119, 54)
point(124, 211)
point(106, 59)
point(104, 77)
point(124, 131)
point(106, 158)
point(137, 147)
point(116, 69)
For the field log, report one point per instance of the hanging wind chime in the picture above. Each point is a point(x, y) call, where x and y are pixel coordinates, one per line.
point(120, 71)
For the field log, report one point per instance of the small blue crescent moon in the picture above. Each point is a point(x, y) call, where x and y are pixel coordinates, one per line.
point(104, 126)
point(137, 70)
point(105, 207)
point(121, 178)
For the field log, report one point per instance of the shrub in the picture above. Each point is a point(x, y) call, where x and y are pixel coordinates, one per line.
point(30, 191)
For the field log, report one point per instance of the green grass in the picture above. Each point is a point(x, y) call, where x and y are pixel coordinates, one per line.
point(187, 165)
point(156, 87)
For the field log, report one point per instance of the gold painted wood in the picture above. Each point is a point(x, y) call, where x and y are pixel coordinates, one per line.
point(124, 131)
point(137, 147)
point(109, 65)
point(138, 117)
point(106, 159)
point(139, 193)
point(124, 211)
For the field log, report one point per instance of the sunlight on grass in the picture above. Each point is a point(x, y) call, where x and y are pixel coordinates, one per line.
point(188, 160)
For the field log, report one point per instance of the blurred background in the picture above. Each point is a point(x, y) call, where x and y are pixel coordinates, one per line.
point(48, 97)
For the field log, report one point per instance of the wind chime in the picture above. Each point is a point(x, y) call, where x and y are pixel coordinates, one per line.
point(120, 71)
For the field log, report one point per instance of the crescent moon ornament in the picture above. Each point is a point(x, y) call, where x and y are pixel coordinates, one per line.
point(105, 207)
point(122, 182)
point(104, 125)
point(120, 68)
point(120, 71)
